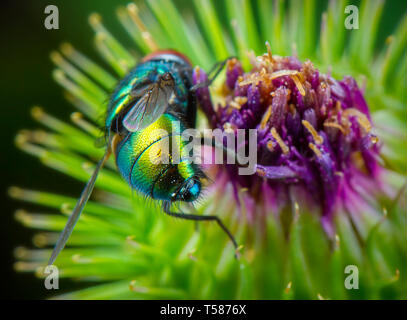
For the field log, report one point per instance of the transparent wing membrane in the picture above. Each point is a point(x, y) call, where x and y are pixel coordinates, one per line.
point(151, 105)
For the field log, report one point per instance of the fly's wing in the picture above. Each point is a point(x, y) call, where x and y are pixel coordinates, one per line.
point(73, 218)
point(151, 105)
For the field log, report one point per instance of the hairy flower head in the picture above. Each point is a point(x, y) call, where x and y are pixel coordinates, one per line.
point(314, 133)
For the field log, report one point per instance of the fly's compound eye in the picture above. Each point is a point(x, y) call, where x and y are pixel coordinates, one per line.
point(193, 192)
point(188, 192)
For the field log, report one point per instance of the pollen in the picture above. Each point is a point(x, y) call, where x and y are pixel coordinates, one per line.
point(238, 102)
point(253, 79)
point(230, 64)
point(197, 71)
point(280, 141)
point(270, 146)
point(314, 148)
point(374, 139)
point(362, 119)
point(229, 128)
point(317, 138)
point(235, 105)
point(269, 54)
point(241, 100)
point(261, 172)
point(265, 118)
point(338, 107)
point(292, 109)
point(298, 84)
point(335, 125)
point(282, 73)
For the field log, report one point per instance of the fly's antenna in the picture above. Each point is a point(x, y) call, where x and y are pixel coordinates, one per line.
point(197, 218)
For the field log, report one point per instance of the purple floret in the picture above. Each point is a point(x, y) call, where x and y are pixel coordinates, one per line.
point(314, 132)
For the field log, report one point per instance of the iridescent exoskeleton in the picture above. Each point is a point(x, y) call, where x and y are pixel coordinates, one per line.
point(148, 111)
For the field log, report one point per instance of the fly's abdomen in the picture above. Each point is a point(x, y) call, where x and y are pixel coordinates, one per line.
point(154, 160)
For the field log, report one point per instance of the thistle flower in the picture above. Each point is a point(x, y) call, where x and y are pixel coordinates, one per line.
point(318, 157)
point(314, 132)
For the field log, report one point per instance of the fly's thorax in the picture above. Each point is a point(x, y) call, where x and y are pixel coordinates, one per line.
point(155, 161)
point(169, 55)
point(123, 97)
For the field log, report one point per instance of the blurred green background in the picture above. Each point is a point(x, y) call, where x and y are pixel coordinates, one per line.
point(26, 81)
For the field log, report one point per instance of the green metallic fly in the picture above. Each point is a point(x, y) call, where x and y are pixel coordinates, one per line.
point(156, 96)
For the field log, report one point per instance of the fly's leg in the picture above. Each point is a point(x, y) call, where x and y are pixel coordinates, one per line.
point(186, 216)
point(212, 74)
point(191, 207)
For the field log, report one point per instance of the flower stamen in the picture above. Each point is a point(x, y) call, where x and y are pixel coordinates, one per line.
point(361, 118)
point(335, 125)
point(317, 138)
point(265, 118)
point(314, 148)
point(280, 141)
point(298, 84)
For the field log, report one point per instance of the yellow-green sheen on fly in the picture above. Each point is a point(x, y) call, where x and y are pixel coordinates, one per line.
point(153, 160)
point(146, 117)
point(136, 79)
point(141, 158)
